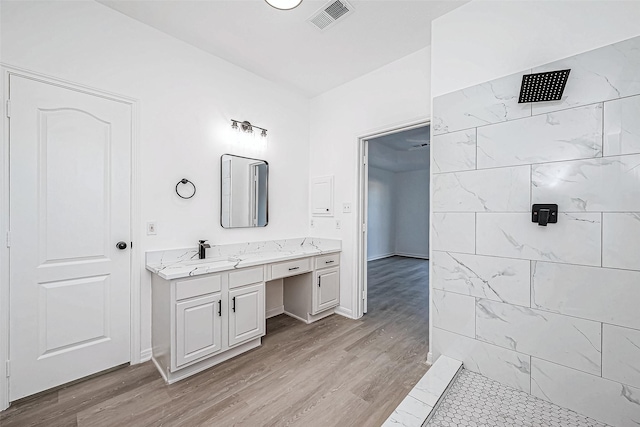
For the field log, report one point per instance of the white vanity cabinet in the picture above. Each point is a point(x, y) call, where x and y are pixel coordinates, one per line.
point(326, 293)
point(201, 321)
point(198, 328)
point(247, 316)
point(204, 319)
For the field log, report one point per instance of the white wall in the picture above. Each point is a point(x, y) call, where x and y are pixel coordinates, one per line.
point(381, 236)
point(395, 94)
point(483, 40)
point(412, 213)
point(187, 99)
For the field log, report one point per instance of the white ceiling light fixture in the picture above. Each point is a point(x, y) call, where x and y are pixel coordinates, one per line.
point(284, 4)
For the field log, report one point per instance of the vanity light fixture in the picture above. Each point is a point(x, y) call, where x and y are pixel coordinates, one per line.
point(247, 127)
point(284, 4)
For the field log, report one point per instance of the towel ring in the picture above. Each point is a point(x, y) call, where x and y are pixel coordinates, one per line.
point(186, 181)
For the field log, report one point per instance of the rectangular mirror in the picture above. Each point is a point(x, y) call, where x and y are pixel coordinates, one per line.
point(244, 198)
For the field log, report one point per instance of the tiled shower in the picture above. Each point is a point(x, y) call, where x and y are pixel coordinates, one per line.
point(553, 311)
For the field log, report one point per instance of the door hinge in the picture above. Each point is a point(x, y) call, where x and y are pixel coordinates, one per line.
point(364, 294)
point(8, 368)
point(8, 239)
point(364, 160)
point(364, 227)
point(8, 108)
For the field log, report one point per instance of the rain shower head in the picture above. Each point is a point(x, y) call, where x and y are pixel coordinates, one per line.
point(547, 86)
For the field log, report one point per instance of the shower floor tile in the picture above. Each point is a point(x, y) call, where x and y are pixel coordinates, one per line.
point(475, 401)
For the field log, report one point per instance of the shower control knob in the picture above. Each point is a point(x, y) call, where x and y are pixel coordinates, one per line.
point(121, 245)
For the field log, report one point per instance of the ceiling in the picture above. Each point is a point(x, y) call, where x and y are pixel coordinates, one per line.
point(283, 47)
point(402, 151)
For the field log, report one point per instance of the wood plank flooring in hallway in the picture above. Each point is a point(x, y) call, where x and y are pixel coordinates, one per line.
point(335, 372)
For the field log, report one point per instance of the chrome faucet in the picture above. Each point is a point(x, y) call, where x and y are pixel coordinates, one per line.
point(202, 249)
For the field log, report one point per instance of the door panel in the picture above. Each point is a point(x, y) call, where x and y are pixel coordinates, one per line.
point(198, 328)
point(69, 206)
point(247, 321)
point(74, 194)
point(327, 291)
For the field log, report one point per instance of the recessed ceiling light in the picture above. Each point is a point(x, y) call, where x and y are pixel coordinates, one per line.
point(284, 4)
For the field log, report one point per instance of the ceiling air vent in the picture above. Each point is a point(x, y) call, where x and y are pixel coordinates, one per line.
point(330, 14)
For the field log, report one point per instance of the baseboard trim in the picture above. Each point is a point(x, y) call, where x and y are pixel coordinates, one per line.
point(377, 257)
point(146, 355)
point(275, 311)
point(404, 254)
point(296, 317)
point(345, 312)
point(430, 358)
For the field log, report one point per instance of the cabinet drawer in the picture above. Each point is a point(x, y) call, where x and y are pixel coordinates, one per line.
point(246, 276)
point(290, 268)
point(324, 261)
point(200, 286)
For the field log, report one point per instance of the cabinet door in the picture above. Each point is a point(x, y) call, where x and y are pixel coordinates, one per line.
point(246, 316)
point(198, 328)
point(326, 289)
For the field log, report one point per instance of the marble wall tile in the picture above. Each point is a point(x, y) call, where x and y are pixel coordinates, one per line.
point(561, 339)
point(506, 366)
point(601, 294)
point(599, 75)
point(489, 190)
point(575, 239)
point(454, 312)
point(497, 279)
point(607, 401)
point(621, 240)
point(453, 152)
point(490, 102)
point(453, 232)
point(621, 126)
point(621, 354)
point(563, 135)
point(609, 184)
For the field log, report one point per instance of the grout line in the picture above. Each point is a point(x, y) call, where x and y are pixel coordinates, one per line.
point(602, 239)
point(572, 107)
point(537, 260)
point(544, 163)
point(603, 138)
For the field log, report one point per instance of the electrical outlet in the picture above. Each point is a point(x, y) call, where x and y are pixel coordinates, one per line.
point(311, 223)
point(346, 207)
point(338, 225)
point(152, 228)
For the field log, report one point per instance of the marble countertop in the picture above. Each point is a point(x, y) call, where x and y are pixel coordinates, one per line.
point(180, 263)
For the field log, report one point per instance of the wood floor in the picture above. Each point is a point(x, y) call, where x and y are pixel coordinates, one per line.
point(335, 372)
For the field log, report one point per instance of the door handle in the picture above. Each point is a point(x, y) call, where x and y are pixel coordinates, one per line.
point(121, 245)
point(234, 304)
point(219, 307)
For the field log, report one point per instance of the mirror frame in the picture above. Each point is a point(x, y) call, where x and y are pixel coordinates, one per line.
point(267, 205)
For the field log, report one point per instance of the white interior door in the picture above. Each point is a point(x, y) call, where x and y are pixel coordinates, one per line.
point(69, 206)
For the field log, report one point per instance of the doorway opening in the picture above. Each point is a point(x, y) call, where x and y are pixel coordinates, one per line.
point(394, 213)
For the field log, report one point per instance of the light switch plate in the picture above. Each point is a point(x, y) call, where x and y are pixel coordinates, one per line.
point(152, 228)
point(346, 207)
